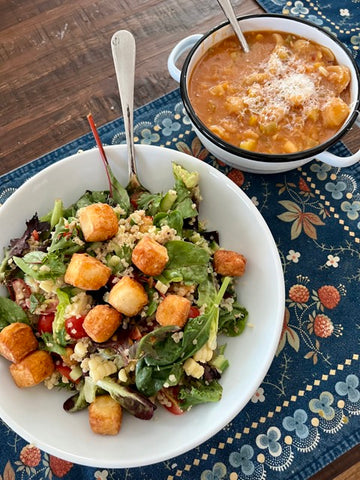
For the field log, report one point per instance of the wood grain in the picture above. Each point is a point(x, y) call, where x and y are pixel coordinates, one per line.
point(56, 67)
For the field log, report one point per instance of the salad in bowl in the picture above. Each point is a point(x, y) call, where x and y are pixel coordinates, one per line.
point(120, 298)
point(137, 364)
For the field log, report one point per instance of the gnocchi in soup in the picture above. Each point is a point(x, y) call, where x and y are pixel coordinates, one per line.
point(287, 95)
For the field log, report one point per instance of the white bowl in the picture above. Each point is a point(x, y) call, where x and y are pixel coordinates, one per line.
point(252, 161)
point(36, 413)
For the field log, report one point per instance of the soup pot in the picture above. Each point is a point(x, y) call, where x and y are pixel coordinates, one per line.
point(261, 162)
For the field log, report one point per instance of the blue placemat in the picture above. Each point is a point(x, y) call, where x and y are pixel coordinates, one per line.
point(306, 412)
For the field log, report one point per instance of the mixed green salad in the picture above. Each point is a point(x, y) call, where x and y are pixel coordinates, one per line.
point(143, 364)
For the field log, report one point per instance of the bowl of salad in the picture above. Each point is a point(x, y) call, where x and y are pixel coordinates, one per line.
point(126, 316)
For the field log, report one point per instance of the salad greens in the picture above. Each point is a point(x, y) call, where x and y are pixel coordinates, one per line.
point(143, 362)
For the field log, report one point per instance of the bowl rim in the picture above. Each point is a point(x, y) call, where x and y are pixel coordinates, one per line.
point(257, 156)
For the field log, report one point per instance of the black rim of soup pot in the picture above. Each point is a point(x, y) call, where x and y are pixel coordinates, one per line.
point(266, 157)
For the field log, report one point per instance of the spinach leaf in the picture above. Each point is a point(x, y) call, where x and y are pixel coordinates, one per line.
point(149, 379)
point(173, 219)
point(187, 263)
point(184, 202)
point(11, 312)
point(232, 323)
point(199, 392)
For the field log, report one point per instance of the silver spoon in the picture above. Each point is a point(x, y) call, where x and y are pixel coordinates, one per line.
point(230, 14)
point(123, 51)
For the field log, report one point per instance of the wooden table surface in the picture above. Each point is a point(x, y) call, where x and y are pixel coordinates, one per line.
point(56, 67)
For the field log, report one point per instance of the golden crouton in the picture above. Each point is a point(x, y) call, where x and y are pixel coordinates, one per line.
point(105, 415)
point(16, 341)
point(86, 272)
point(229, 263)
point(101, 322)
point(149, 256)
point(173, 310)
point(128, 296)
point(33, 369)
point(98, 222)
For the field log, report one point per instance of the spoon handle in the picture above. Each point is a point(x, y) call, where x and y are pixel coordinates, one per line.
point(230, 14)
point(123, 50)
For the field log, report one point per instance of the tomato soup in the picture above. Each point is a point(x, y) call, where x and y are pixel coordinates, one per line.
point(287, 95)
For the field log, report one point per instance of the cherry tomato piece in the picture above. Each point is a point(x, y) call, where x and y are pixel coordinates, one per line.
point(169, 399)
point(45, 323)
point(74, 327)
point(194, 312)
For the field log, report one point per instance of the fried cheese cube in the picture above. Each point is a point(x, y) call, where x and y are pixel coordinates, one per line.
point(86, 272)
point(149, 256)
point(16, 341)
point(334, 112)
point(128, 296)
point(105, 415)
point(33, 369)
point(101, 322)
point(98, 222)
point(173, 310)
point(229, 263)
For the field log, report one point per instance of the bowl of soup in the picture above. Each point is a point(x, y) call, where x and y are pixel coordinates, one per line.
point(286, 102)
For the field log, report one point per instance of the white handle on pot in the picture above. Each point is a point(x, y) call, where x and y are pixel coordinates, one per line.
point(184, 44)
point(336, 161)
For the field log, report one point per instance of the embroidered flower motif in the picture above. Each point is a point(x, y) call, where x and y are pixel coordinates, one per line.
point(322, 405)
point(344, 12)
point(59, 467)
point(315, 19)
point(196, 149)
point(180, 111)
point(355, 39)
point(333, 261)
point(297, 423)
point(255, 201)
point(258, 396)
point(149, 137)
point(236, 176)
point(303, 186)
point(243, 459)
point(299, 293)
point(101, 475)
point(299, 9)
point(270, 441)
point(30, 456)
point(302, 221)
point(217, 473)
point(323, 326)
point(329, 296)
point(349, 388)
point(336, 189)
point(288, 334)
point(351, 209)
point(321, 170)
point(169, 127)
point(293, 256)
